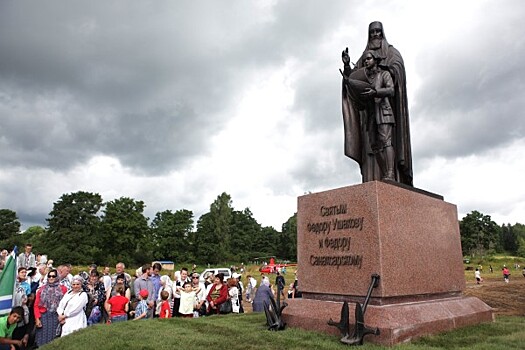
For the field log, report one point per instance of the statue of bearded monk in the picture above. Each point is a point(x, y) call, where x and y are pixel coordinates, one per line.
point(380, 146)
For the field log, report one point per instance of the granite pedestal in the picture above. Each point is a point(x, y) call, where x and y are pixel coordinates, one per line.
point(408, 237)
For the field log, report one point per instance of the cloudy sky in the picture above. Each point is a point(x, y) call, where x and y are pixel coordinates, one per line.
point(175, 102)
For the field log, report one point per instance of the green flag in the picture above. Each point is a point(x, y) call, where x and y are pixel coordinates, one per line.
point(7, 284)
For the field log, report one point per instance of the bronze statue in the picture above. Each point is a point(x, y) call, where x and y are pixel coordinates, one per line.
point(375, 111)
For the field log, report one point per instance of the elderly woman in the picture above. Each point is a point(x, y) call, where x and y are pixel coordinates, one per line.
point(71, 308)
point(262, 296)
point(217, 295)
point(201, 307)
point(46, 303)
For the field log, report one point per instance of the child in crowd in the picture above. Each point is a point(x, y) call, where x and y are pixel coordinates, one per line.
point(248, 289)
point(165, 308)
point(477, 275)
point(506, 273)
point(233, 293)
point(141, 311)
point(187, 299)
point(7, 326)
point(291, 291)
point(117, 306)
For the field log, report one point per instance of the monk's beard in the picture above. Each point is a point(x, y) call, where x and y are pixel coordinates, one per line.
point(375, 44)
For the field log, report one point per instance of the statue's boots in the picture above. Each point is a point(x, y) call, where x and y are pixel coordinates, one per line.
point(381, 161)
point(389, 161)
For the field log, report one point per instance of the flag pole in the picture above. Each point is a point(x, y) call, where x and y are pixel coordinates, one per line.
point(7, 283)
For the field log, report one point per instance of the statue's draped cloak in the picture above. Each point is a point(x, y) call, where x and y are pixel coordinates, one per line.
point(355, 117)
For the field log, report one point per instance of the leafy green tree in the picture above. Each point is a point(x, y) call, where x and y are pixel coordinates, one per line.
point(9, 224)
point(35, 231)
point(519, 231)
point(36, 235)
point(221, 217)
point(211, 241)
point(509, 239)
point(170, 232)
point(521, 247)
point(125, 233)
point(272, 238)
point(243, 233)
point(205, 241)
point(479, 234)
point(73, 228)
point(288, 242)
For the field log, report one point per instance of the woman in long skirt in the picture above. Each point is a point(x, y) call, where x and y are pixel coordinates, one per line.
point(46, 303)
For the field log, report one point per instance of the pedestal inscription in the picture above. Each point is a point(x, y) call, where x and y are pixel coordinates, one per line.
point(333, 237)
point(408, 238)
point(345, 235)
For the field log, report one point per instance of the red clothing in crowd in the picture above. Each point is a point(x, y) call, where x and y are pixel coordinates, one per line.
point(39, 310)
point(223, 296)
point(118, 304)
point(165, 306)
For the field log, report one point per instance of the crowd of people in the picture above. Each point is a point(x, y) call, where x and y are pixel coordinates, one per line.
point(504, 270)
point(50, 302)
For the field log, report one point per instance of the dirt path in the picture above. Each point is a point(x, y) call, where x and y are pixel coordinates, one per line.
point(505, 298)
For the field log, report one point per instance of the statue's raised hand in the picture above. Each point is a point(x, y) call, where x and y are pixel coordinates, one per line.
point(345, 57)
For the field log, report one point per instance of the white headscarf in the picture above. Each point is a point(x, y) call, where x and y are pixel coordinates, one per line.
point(166, 280)
point(168, 286)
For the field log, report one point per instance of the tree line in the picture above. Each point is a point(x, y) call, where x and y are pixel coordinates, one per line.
point(83, 229)
point(481, 236)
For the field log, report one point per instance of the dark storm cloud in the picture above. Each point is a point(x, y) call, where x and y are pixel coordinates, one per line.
point(32, 219)
point(149, 83)
point(153, 83)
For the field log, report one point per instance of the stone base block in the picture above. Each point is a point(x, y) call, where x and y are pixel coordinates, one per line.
point(398, 323)
point(411, 240)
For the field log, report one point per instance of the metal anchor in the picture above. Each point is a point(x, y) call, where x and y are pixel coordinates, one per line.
point(360, 330)
point(273, 314)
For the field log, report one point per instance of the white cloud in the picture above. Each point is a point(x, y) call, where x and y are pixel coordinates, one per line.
point(489, 183)
point(177, 102)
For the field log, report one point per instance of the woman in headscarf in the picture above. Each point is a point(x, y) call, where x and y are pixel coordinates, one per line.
point(71, 308)
point(165, 285)
point(46, 303)
point(217, 295)
point(262, 296)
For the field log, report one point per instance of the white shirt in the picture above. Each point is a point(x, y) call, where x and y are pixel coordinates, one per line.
point(72, 306)
point(107, 282)
point(233, 292)
point(201, 295)
point(35, 278)
point(187, 301)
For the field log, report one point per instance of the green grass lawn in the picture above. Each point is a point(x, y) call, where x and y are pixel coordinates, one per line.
point(248, 331)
